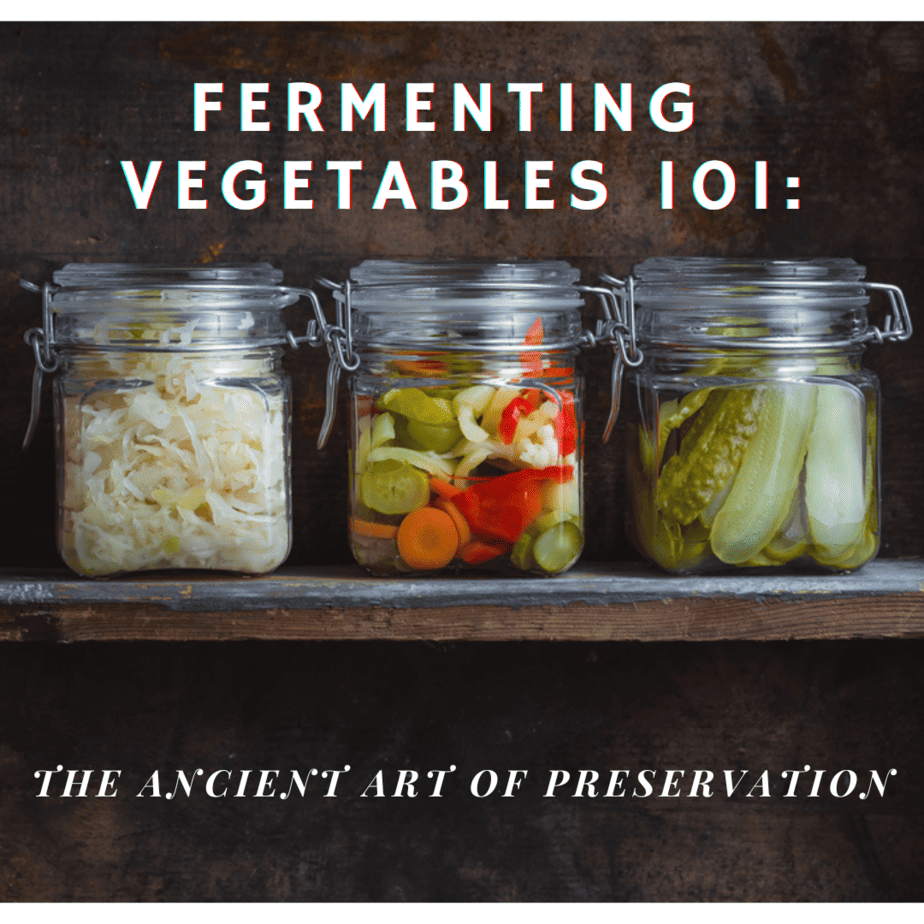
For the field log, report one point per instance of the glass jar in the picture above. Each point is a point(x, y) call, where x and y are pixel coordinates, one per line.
point(753, 428)
point(171, 416)
point(466, 423)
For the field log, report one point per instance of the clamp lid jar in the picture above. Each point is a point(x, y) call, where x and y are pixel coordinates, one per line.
point(171, 416)
point(683, 303)
point(466, 414)
point(753, 427)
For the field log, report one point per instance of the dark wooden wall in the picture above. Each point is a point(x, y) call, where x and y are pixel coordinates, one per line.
point(831, 104)
point(394, 706)
point(834, 104)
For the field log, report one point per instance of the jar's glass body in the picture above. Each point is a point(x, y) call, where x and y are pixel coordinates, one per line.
point(172, 429)
point(466, 430)
point(743, 462)
point(753, 438)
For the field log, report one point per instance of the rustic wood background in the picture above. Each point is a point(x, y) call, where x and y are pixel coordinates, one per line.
point(831, 103)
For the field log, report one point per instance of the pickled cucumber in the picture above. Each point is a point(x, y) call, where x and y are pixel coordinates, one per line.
point(762, 475)
point(674, 413)
point(835, 495)
point(659, 539)
point(790, 541)
point(557, 547)
point(867, 543)
point(710, 453)
point(761, 497)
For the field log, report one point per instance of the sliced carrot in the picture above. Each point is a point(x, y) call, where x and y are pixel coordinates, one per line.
point(443, 488)
point(427, 539)
point(478, 551)
point(373, 530)
point(462, 527)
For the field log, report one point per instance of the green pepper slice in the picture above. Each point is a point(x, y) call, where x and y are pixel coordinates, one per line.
point(416, 404)
point(438, 437)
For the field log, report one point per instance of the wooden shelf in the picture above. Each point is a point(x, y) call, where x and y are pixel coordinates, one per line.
point(593, 602)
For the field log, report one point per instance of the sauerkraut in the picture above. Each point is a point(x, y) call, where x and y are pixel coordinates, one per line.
point(174, 460)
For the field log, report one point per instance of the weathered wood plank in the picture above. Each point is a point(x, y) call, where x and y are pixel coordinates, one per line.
point(590, 603)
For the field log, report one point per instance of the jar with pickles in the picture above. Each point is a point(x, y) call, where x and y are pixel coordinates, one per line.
point(752, 427)
point(466, 415)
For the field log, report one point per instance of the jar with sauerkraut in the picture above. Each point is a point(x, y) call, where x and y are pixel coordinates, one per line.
point(172, 417)
point(466, 416)
point(752, 427)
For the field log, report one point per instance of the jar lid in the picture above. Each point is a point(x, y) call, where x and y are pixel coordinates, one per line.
point(169, 307)
point(751, 303)
point(464, 305)
point(95, 276)
point(723, 271)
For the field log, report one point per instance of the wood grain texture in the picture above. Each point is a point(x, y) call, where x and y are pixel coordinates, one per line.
point(833, 103)
point(740, 706)
point(706, 620)
point(885, 599)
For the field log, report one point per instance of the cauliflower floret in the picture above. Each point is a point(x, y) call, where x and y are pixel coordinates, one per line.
point(539, 455)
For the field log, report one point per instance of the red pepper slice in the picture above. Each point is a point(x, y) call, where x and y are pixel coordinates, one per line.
point(565, 424)
point(514, 410)
point(478, 551)
point(532, 361)
point(559, 372)
point(501, 513)
point(534, 334)
point(502, 508)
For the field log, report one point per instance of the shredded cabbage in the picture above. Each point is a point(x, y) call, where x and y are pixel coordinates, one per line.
point(175, 460)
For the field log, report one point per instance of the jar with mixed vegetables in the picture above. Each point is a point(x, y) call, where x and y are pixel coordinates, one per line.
point(470, 456)
point(752, 428)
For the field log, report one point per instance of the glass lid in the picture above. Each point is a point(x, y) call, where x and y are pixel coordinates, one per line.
point(464, 304)
point(751, 302)
point(153, 306)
